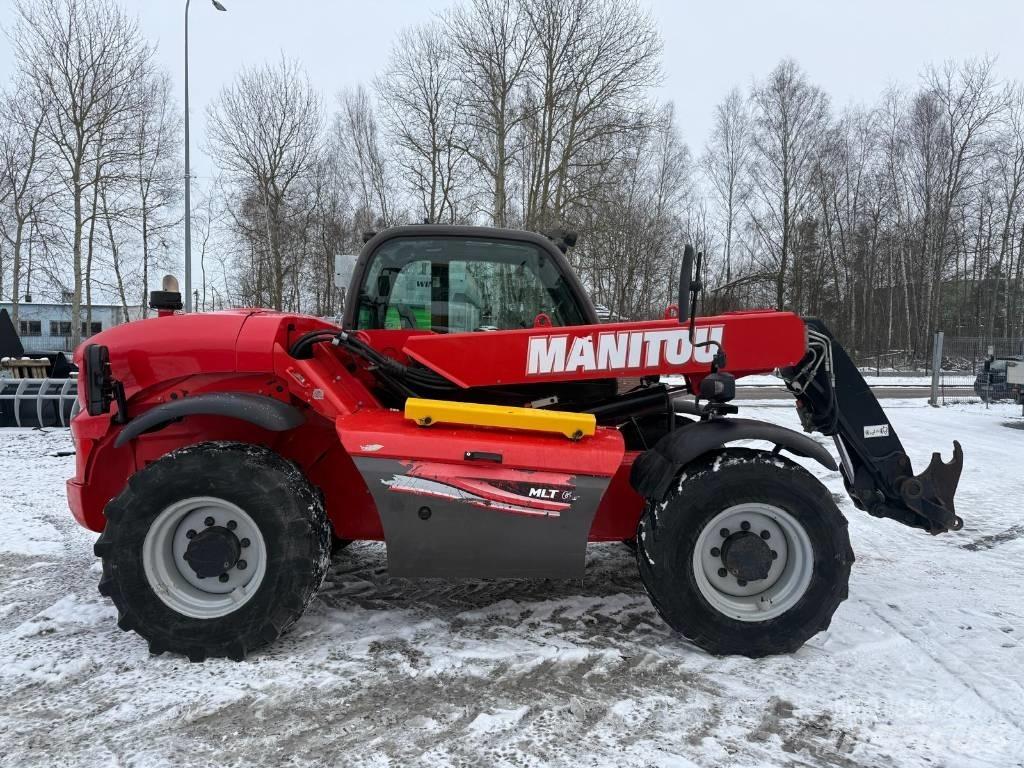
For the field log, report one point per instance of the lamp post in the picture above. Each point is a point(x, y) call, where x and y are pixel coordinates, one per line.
point(188, 173)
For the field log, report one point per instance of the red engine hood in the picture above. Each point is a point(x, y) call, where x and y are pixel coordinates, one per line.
point(158, 349)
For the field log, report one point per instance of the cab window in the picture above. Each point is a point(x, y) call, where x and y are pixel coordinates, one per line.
point(455, 285)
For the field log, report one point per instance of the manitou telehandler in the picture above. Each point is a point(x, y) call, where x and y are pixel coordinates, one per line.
point(471, 412)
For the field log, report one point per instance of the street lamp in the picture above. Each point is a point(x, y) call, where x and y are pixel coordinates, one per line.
point(188, 173)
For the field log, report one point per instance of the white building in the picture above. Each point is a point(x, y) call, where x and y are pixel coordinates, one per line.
point(46, 327)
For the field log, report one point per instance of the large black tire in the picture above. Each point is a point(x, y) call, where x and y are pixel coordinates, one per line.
point(670, 531)
point(296, 542)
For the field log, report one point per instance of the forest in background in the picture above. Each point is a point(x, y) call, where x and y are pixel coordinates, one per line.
point(889, 220)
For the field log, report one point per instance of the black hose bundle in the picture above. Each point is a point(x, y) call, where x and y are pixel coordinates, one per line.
point(403, 379)
point(412, 378)
point(303, 346)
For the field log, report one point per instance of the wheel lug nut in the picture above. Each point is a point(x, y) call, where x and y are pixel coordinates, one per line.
point(223, 577)
point(241, 565)
point(244, 542)
point(765, 535)
point(724, 533)
point(232, 525)
point(209, 521)
point(745, 525)
point(741, 582)
point(722, 572)
point(715, 551)
point(191, 534)
point(775, 555)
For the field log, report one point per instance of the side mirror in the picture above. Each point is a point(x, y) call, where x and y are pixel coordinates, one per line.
point(344, 266)
point(685, 280)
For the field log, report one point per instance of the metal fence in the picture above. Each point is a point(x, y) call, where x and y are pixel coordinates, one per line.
point(959, 373)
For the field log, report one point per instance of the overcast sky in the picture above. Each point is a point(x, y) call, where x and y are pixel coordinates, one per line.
point(852, 48)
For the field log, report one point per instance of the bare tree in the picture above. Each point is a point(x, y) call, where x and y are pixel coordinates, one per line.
point(360, 163)
point(23, 184)
point(592, 61)
point(628, 257)
point(1008, 154)
point(790, 115)
point(970, 100)
point(492, 47)
point(82, 60)
point(206, 216)
point(726, 164)
point(265, 132)
point(155, 168)
point(423, 103)
point(112, 216)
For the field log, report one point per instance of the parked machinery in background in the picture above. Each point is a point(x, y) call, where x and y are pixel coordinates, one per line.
point(36, 389)
point(1015, 380)
point(993, 380)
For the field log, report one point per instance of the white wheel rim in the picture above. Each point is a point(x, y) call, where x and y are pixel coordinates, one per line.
point(176, 583)
point(787, 579)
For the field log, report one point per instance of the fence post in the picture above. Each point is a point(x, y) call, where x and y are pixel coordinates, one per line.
point(936, 368)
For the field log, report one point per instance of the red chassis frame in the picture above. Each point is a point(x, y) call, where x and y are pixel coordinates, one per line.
point(245, 351)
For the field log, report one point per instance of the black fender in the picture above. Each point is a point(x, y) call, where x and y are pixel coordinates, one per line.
point(655, 470)
point(265, 412)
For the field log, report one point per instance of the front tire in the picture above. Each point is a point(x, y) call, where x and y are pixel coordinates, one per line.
point(747, 555)
point(214, 550)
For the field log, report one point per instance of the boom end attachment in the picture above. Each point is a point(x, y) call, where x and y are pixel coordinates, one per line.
point(835, 400)
point(930, 494)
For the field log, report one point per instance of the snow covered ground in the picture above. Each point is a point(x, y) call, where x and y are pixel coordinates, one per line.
point(886, 380)
point(922, 666)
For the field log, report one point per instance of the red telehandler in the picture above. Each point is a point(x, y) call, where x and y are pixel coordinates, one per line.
point(471, 412)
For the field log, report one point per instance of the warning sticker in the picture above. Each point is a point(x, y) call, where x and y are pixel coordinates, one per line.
point(879, 430)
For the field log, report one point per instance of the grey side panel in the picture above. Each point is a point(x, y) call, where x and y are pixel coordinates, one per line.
point(654, 470)
point(265, 412)
point(459, 540)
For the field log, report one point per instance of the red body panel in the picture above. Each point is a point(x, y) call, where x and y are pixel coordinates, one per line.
point(167, 358)
point(382, 434)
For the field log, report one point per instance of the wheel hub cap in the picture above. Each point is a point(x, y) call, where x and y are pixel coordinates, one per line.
point(204, 557)
point(746, 556)
point(213, 551)
point(753, 561)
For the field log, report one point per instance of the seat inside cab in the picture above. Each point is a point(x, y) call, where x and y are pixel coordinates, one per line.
point(459, 285)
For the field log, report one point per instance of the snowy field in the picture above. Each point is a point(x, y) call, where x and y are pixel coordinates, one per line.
point(922, 666)
point(887, 380)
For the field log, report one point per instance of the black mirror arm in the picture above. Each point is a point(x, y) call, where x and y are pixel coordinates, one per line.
point(696, 285)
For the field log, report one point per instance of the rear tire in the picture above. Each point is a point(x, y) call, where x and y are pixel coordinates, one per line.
point(241, 503)
point(797, 554)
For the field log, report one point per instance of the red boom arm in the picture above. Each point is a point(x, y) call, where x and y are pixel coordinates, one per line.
point(755, 342)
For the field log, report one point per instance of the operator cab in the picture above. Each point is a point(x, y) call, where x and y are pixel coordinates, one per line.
point(449, 279)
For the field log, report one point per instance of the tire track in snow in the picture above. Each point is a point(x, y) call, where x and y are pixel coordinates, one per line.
point(922, 643)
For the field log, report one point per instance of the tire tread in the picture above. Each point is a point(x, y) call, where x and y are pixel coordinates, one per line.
point(662, 524)
point(286, 609)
